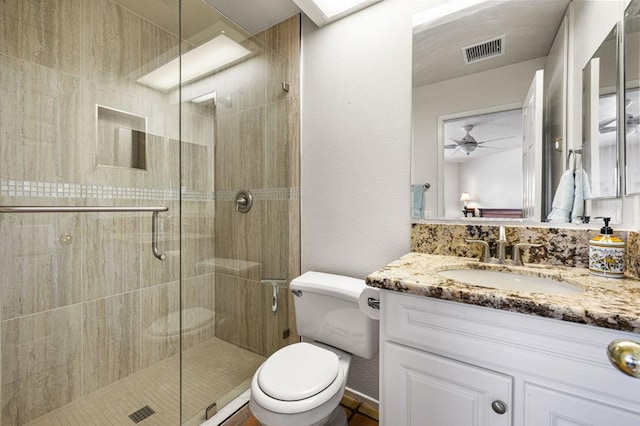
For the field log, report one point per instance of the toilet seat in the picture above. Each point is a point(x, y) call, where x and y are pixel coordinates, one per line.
point(298, 372)
point(283, 390)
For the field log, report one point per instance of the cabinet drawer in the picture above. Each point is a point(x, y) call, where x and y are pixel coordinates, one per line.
point(419, 388)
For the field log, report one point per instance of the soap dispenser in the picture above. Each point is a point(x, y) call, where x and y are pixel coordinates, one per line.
point(606, 253)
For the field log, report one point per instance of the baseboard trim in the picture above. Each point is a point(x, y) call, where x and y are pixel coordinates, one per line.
point(374, 403)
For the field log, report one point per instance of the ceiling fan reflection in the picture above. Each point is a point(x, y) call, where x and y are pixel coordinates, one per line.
point(467, 144)
point(609, 124)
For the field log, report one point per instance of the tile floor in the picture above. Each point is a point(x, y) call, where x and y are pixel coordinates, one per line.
point(358, 413)
point(211, 371)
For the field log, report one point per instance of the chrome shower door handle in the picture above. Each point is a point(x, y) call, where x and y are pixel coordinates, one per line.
point(154, 237)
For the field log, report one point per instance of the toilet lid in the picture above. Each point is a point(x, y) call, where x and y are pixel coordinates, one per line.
point(298, 371)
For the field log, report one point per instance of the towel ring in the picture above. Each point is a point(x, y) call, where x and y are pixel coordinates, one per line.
point(573, 152)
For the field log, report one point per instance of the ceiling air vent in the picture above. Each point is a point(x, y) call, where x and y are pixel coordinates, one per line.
point(483, 50)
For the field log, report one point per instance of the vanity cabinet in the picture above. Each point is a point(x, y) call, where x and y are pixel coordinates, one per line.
point(428, 389)
point(453, 364)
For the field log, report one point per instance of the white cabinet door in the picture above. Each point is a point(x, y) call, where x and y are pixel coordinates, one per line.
point(419, 388)
point(544, 406)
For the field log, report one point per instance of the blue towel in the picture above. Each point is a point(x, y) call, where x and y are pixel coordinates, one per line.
point(417, 201)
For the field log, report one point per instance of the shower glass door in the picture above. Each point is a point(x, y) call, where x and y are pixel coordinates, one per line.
point(236, 263)
point(90, 330)
point(114, 113)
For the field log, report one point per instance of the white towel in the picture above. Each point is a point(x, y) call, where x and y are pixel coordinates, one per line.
point(582, 192)
point(563, 199)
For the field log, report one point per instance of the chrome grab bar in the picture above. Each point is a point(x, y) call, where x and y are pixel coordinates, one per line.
point(97, 209)
point(154, 236)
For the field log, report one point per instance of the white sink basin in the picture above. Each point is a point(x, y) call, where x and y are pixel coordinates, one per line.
point(509, 281)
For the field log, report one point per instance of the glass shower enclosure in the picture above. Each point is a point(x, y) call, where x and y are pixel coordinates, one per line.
point(135, 285)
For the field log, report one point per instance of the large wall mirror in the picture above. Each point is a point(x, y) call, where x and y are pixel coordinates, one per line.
point(600, 148)
point(487, 142)
point(632, 96)
point(476, 145)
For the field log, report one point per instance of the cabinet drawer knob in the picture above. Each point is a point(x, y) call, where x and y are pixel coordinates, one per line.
point(499, 407)
point(625, 356)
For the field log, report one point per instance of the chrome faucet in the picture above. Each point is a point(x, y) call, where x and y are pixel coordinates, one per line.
point(500, 253)
point(502, 241)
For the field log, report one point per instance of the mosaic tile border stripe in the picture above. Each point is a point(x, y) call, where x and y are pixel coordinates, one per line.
point(16, 188)
point(262, 194)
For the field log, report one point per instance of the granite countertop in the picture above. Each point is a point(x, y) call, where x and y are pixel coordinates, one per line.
point(605, 302)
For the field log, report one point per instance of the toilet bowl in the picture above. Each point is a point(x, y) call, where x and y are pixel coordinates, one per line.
point(302, 384)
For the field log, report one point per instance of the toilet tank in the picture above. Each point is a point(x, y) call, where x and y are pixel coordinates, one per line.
point(327, 311)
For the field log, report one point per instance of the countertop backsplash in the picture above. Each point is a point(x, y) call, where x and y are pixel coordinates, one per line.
point(560, 246)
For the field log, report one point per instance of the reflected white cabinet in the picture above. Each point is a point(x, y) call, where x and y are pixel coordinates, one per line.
point(431, 390)
point(445, 363)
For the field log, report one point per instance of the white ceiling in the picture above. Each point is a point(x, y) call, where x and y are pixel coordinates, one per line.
point(529, 26)
point(256, 15)
point(252, 15)
point(201, 22)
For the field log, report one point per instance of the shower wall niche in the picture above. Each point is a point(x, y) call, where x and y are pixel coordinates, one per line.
point(120, 139)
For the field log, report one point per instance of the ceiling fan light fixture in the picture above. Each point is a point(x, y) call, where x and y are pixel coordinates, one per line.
point(468, 148)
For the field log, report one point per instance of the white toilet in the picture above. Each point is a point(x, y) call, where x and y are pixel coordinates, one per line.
point(302, 384)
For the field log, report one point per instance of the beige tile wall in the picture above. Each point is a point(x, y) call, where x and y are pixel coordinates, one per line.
point(40, 271)
point(158, 317)
point(34, 102)
point(264, 125)
point(41, 363)
point(111, 340)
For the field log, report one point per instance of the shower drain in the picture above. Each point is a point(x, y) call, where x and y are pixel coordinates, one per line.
point(141, 414)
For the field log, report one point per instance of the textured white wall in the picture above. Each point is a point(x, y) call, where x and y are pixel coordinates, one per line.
point(452, 203)
point(490, 189)
point(355, 146)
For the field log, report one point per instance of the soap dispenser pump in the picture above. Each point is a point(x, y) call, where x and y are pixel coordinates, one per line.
point(606, 253)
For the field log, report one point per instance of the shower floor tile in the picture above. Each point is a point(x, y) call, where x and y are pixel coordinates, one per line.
point(211, 370)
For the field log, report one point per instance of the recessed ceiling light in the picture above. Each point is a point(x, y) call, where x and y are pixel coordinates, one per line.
point(323, 12)
point(200, 61)
point(446, 12)
point(204, 97)
point(331, 8)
